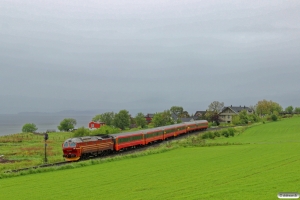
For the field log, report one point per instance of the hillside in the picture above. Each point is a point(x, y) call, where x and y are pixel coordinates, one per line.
point(266, 163)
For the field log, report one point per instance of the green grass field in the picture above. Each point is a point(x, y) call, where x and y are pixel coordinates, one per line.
point(267, 163)
point(27, 150)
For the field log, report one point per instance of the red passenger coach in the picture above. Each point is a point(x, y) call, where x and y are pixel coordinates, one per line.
point(181, 129)
point(153, 135)
point(169, 131)
point(202, 124)
point(128, 140)
point(191, 126)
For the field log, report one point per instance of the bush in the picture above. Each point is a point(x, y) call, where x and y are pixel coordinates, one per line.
point(205, 135)
point(231, 131)
point(211, 135)
point(217, 134)
point(274, 117)
point(225, 133)
point(214, 124)
point(105, 130)
point(82, 132)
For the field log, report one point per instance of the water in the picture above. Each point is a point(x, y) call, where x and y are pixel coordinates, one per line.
point(13, 123)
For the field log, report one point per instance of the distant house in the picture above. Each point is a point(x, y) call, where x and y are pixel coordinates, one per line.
point(149, 117)
point(199, 114)
point(228, 112)
point(182, 119)
point(95, 125)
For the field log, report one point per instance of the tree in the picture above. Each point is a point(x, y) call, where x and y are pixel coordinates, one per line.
point(289, 109)
point(162, 119)
point(122, 119)
point(157, 120)
point(176, 110)
point(243, 117)
point(253, 117)
point(29, 128)
point(265, 107)
point(140, 120)
point(179, 112)
point(236, 119)
point(185, 114)
point(213, 111)
point(297, 110)
point(216, 106)
point(67, 124)
point(107, 118)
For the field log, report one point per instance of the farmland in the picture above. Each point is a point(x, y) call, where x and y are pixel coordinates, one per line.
point(265, 162)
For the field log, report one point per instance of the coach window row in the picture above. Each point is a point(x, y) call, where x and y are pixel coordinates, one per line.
point(128, 139)
point(170, 130)
point(153, 134)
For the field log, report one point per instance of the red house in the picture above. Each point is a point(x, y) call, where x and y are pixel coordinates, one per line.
point(93, 125)
point(149, 118)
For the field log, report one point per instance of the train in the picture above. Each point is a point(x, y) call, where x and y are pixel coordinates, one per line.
point(79, 148)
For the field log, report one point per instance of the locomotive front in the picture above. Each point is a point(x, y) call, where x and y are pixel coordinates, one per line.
point(71, 151)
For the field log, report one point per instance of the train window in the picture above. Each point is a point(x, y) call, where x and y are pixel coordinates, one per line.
point(66, 144)
point(73, 144)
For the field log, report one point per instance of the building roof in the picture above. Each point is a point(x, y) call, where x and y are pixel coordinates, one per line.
point(237, 109)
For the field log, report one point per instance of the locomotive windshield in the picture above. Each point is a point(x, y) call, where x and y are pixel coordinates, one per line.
point(71, 142)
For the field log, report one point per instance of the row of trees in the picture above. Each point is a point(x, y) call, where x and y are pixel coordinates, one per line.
point(123, 120)
point(65, 125)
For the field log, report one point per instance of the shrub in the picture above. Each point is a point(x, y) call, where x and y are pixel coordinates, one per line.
point(205, 135)
point(231, 131)
point(81, 132)
point(217, 134)
point(211, 135)
point(225, 133)
point(214, 124)
point(105, 130)
point(274, 117)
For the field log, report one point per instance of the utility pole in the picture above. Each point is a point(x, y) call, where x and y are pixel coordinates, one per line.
point(46, 138)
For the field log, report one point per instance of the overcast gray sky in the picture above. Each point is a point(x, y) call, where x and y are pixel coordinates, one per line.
point(147, 55)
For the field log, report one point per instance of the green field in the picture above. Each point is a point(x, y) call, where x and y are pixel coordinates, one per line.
point(266, 163)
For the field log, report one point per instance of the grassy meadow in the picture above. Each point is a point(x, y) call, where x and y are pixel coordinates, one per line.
point(258, 164)
point(27, 149)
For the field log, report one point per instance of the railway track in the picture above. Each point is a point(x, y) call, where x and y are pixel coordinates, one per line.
point(129, 151)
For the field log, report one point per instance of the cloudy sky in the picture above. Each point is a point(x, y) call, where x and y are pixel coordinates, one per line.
point(147, 55)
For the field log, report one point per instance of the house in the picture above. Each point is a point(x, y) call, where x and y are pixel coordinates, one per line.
point(228, 112)
point(199, 114)
point(149, 118)
point(94, 125)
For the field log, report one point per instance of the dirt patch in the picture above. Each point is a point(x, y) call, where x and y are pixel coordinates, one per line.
point(3, 160)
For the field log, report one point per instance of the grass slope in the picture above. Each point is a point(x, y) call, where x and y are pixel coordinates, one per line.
point(268, 164)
